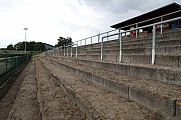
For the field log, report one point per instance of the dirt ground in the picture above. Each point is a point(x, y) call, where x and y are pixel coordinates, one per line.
point(36, 96)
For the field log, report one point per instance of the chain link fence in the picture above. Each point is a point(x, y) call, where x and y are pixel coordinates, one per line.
point(10, 64)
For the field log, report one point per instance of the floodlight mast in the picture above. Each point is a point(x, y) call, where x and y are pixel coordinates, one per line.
point(25, 29)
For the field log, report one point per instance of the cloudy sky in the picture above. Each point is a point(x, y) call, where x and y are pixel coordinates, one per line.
point(46, 20)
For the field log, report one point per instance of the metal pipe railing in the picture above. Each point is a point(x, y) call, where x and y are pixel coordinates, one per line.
point(153, 37)
point(120, 33)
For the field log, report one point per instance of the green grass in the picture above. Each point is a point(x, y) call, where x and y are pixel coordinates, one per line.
point(20, 52)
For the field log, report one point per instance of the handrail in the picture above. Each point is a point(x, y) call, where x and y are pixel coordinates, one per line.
point(120, 32)
point(153, 37)
point(132, 24)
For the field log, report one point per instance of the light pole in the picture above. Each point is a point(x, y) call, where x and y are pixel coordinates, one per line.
point(25, 38)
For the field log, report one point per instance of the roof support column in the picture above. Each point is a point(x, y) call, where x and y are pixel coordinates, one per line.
point(161, 26)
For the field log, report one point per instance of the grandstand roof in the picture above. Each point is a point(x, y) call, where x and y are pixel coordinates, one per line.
point(152, 14)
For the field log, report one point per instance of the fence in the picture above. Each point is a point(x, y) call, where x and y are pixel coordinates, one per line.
point(9, 65)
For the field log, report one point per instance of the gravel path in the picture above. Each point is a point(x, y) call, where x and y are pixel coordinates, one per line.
point(102, 103)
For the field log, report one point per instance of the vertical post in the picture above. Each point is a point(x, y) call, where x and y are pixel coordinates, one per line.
point(85, 41)
point(120, 46)
point(153, 45)
point(64, 49)
point(98, 38)
point(161, 26)
point(76, 50)
point(11, 62)
point(25, 38)
point(6, 63)
point(71, 50)
point(91, 40)
point(136, 30)
point(6, 67)
point(102, 49)
point(25, 41)
point(67, 51)
point(107, 35)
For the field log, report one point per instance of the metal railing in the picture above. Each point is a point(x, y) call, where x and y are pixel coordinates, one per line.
point(79, 42)
point(118, 35)
point(153, 37)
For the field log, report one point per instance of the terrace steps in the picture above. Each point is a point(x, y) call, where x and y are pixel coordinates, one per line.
point(156, 93)
point(144, 79)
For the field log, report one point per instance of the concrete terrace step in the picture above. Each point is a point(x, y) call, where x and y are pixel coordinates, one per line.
point(156, 94)
point(147, 39)
point(161, 43)
point(169, 60)
point(166, 50)
point(155, 72)
point(167, 34)
point(97, 103)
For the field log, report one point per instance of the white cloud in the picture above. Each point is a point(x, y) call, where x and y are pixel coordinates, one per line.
point(49, 19)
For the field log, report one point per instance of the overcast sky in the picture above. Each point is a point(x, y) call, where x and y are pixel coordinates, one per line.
point(47, 20)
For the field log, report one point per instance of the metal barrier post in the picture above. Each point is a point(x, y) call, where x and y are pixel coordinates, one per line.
point(11, 62)
point(67, 51)
point(64, 50)
point(98, 37)
point(85, 41)
point(102, 49)
point(91, 40)
point(76, 50)
point(71, 50)
point(107, 35)
point(120, 46)
point(153, 45)
point(6, 66)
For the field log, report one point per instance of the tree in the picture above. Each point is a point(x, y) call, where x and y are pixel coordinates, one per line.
point(10, 47)
point(39, 46)
point(64, 41)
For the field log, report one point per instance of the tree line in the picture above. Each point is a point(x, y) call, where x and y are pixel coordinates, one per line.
point(38, 46)
point(30, 46)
